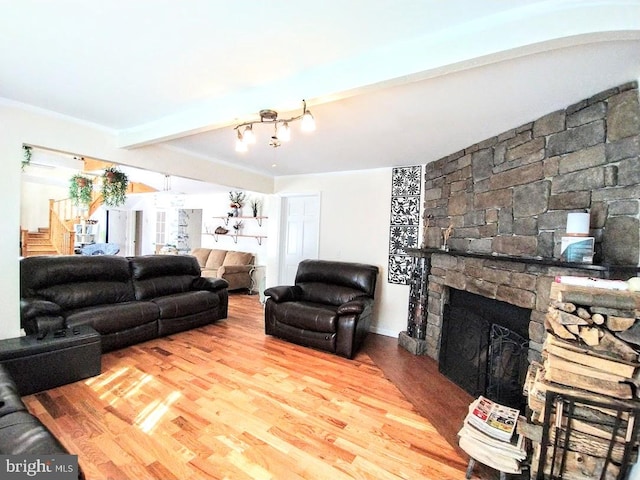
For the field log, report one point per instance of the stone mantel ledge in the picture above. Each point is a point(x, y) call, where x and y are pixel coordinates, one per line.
point(605, 269)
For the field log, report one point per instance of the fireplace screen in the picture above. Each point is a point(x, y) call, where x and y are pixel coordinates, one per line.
point(484, 347)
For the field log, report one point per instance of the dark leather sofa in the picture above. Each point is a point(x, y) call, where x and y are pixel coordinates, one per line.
point(21, 433)
point(126, 300)
point(329, 307)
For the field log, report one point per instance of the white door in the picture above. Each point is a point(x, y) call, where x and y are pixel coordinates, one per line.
point(300, 233)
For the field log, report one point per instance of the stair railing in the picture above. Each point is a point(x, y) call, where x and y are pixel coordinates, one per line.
point(61, 230)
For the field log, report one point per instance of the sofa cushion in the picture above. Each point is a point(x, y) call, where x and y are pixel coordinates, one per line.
point(189, 303)
point(215, 259)
point(77, 295)
point(201, 255)
point(238, 258)
point(45, 271)
point(356, 276)
point(308, 316)
point(114, 318)
point(158, 275)
point(75, 281)
point(152, 288)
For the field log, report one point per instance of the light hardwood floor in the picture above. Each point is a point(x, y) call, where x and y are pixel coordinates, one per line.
point(227, 402)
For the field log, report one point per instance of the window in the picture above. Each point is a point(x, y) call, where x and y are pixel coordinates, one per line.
point(161, 223)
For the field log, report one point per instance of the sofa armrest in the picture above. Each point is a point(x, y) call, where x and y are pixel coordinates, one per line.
point(229, 269)
point(35, 307)
point(37, 315)
point(209, 283)
point(283, 293)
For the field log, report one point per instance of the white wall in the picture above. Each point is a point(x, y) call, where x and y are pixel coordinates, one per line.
point(354, 227)
point(39, 195)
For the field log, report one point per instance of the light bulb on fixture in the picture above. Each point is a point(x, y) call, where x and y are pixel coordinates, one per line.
point(308, 122)
point(245, 135)
point(241, 146)
point(248, 137)
point(283, 132)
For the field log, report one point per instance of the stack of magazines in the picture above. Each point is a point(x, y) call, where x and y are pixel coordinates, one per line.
point(488, 435)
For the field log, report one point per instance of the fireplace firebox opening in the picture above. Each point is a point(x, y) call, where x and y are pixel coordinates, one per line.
point(484, 346)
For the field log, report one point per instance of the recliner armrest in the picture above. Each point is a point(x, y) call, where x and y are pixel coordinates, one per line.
point(283, 293)
point(354, 307)
point(209, 283)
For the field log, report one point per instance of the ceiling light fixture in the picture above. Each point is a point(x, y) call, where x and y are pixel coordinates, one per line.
point(282, 132)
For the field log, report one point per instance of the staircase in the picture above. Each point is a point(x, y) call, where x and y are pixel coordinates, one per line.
point(38, 243)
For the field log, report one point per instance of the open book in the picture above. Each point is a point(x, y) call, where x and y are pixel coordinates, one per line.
point(497, 421)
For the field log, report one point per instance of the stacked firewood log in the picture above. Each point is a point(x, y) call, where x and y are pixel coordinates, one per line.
point(591, 351)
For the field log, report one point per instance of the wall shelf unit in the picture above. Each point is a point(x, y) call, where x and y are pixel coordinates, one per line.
point(235, 236)
point(252, 231)
point(227, 218)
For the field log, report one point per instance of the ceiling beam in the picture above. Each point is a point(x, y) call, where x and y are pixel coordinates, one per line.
point(522, 30)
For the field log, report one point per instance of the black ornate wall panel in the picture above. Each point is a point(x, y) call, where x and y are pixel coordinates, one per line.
point(406, 190)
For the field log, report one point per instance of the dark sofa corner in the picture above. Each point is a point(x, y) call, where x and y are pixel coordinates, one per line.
point(21, 433)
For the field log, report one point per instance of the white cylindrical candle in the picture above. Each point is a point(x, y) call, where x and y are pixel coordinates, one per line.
point(578, 224)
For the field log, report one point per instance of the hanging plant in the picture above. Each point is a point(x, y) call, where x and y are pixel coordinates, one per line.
point(114, 187)
point(80, 190)
point(26, 156)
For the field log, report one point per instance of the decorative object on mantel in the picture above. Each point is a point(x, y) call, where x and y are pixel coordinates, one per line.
point(221, 230)
point(237, 226)
point(282, 132)
point(80, 190)
point(114, 187)
point(406, 191)
point(577, 246)
point(237, 200)
point(445, 237)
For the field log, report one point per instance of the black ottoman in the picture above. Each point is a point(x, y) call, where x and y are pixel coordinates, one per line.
point(60, 357)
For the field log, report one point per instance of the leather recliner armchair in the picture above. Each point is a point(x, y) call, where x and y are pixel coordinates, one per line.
point(329, 307)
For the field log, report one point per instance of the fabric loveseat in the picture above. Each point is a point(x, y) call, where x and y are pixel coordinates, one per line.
point(21, 433)
point(329, 307)
point(126, 300)
point(232, 266)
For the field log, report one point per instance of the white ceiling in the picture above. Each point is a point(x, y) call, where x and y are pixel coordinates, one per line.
point(390, 82)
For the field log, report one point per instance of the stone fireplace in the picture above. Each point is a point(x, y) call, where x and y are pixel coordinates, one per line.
point(504, 204)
